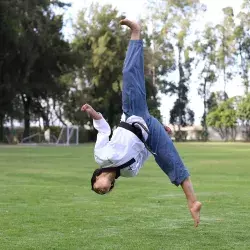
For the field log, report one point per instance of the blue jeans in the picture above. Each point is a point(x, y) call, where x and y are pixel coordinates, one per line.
point(134, 103)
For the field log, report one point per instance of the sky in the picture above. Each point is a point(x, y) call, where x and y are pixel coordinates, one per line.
point(134, 9)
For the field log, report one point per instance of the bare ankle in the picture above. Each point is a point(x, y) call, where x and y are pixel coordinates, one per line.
point(135, 35)
point(135, 28)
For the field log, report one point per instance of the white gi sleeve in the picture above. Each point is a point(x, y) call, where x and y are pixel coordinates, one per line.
point(104, 132)
point(145, 155)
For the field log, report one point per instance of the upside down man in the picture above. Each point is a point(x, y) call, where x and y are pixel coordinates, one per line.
point(138, 135)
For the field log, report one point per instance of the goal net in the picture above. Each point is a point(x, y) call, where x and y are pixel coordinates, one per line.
point(68, 136)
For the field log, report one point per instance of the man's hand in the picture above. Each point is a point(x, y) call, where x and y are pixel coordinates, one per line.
point(168, 130)
point(91, 112)
point(86, 108)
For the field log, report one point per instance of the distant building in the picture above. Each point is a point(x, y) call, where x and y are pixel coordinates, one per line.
point(193, 133)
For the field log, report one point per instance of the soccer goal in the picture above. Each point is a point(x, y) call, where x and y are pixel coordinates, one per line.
point(68, 136)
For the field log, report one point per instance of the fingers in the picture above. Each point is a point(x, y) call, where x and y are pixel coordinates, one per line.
point(168, 130)
point(122, 22)
point(85, 107)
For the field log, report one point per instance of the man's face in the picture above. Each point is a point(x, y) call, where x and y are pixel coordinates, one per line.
point(102, 184)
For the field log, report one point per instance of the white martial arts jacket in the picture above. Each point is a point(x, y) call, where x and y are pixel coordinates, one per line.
point(123, 146)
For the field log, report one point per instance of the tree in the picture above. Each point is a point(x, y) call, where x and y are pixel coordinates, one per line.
point(226, 45)
point(215, 99)
point(39, 56)
point(51, 58)
point(205, 49)
point(102, 43)
point(243, 114)
point(152, 85)
point(174, 19)
point(242, 37)
point(223, 119)
point(8, 52)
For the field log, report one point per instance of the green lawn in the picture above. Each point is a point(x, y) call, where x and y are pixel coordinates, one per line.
point(46, 201)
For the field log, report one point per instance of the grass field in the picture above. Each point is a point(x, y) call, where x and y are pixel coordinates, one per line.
point(46, 202)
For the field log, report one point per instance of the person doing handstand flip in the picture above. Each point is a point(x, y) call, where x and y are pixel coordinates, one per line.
point(138, 134)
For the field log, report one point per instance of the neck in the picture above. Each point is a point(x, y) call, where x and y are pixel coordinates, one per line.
point(111, 174)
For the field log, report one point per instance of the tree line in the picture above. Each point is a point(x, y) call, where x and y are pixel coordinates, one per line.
point(45, 77)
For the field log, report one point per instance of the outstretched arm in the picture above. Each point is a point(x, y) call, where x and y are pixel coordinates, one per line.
point(93, 114)
point(100, 125)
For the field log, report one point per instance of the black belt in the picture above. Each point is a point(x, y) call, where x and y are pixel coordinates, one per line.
point(126, 164)
point(137, 131)
point(118, 168)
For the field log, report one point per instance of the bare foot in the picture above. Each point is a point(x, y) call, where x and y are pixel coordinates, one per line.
point(135, 28)
point(132, 25)
point(195, 212)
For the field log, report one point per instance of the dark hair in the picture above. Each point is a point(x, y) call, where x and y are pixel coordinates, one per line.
point(96, 173)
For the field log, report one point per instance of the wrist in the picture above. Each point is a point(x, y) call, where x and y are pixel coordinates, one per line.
point(96, 116)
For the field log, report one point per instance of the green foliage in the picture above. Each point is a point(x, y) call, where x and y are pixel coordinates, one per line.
point(242, 40)
point(102, 43)
point(244, 109)
point(243, 114)
point(174, 19)
point(215, 99)
point(35, 55)
point(43, 76)
point(224, 119)
point(205, 49)
point(225, 53)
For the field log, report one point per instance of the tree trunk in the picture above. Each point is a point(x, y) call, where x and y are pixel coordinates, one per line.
point(221, 133)
point(12, 124)
point(205, 130)
point(225, 83)
point(181, 75)
point(12, 134)
point(45, 120)
point(247, 131)
point(26, 107)
point(45, 115)
point(179, 122)
point(227, 134)
point(224, 68)
point(234, 133)
point(1, 128)
point(244, 69)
